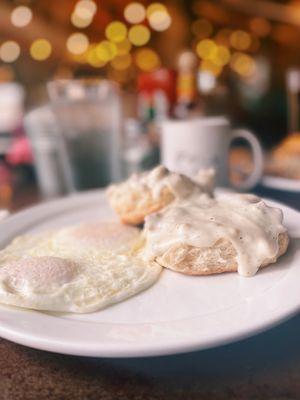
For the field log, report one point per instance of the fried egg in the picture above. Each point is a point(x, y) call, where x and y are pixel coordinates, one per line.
point(79, 269)
point(89, 237)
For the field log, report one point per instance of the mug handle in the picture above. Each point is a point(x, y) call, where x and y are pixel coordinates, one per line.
point(258, 158)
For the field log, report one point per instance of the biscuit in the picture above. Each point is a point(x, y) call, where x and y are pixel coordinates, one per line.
point(133, 205)
point(217, 259)
point(151, 191)
point(203, 235)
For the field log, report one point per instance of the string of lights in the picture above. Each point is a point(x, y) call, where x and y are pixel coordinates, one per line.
point(126, 43)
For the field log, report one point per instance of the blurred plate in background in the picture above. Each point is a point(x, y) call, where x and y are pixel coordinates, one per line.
point(283, 184)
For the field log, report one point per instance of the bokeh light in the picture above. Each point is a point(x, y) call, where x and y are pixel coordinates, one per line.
point(260, 26)
point(106, 50)
point(85, 9)
point(21, 16)
point(40, 49)
point(134, 13)
point(209, 66)
point(139, 35)
point(147, 59)
point(79, 22)
point(155, 7)
point(159, 20)
point(240, 40)
point(92, 57)
point(116, 31)
point(83, 13)
point(121, 63)
point(9, 51)
point(221, 56)
point(77, 43)
point(243, 64)
point(202, 28)
point(206, 49)
point(123, 47)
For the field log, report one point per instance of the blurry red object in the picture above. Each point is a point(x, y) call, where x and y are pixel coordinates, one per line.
point(19, 152)
point(161, 79)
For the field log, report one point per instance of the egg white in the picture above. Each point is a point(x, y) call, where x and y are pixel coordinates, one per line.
point(79, 269)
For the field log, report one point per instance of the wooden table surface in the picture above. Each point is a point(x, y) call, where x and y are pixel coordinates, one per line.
point(266, 366)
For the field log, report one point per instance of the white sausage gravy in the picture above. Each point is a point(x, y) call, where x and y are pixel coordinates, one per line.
point(179, 185)
point(245, 220)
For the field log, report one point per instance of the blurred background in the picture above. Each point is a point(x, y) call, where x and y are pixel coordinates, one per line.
point(154, 60)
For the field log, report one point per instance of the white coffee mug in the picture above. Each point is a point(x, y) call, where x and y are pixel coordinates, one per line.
point(190, 145)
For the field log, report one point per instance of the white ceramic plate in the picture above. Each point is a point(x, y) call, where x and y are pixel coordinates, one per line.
point(178, 314)
point(285, 184)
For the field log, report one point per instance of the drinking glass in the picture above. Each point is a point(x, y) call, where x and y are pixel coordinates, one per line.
point(88, 115)
point(50, 159)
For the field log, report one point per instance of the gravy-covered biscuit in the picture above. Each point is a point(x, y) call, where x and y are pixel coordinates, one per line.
point(151, 191)
point(203, 236)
